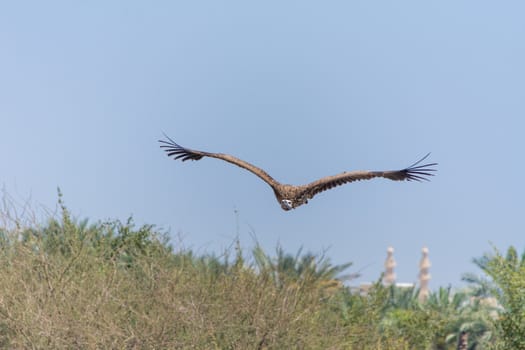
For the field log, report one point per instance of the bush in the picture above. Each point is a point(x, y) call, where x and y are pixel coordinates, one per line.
point(69, 284)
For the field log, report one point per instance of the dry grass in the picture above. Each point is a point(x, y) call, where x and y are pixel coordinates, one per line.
point(67, 285)
point(85, 300)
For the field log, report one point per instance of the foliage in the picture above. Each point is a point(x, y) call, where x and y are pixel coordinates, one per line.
point(74, 284)
point(69, 284)
point(507, 286)
point(435, 323)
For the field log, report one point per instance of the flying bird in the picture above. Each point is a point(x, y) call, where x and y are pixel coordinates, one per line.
point(290, 196)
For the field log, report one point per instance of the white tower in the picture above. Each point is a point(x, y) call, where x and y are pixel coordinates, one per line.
point(424, 275)
point(389, 277)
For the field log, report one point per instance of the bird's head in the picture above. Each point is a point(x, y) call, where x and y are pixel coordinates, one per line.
point(286, 204)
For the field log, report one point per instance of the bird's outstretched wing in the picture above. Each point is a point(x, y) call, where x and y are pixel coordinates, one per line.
point(414, 172)
point(178, 152)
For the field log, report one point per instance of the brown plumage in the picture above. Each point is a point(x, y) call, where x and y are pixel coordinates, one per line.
point(289, 196)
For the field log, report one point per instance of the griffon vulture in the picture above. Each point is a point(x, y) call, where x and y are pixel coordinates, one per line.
point(290, 196)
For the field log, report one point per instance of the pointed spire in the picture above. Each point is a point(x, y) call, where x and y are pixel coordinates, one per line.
point(424, 275)
point(389, 277)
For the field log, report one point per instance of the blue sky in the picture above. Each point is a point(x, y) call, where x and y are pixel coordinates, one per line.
point(302, 89)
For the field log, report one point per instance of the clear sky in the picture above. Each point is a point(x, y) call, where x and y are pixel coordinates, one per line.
point(303, 89)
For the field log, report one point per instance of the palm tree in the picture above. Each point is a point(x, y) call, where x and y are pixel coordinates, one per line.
point(462, 315)
point(285, 269)
point(437, 322)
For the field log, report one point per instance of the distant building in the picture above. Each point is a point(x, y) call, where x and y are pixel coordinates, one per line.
point(424, 275)
point(389, 277)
